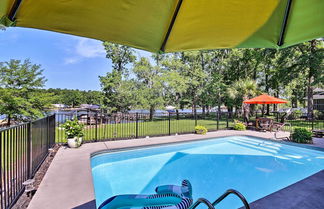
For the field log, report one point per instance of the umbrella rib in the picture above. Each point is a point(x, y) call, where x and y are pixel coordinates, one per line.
point(284, 23)
point(171, 25)
point(14, 10)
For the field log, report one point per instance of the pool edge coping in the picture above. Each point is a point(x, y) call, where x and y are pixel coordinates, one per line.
point(115, 150)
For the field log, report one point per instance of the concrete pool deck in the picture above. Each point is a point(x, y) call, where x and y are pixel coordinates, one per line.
point(68, 181)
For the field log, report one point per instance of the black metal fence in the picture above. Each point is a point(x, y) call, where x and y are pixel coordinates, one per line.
point(22, 150)
point(101, 126)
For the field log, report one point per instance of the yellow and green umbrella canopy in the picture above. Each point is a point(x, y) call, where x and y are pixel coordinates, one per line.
point(174, 25)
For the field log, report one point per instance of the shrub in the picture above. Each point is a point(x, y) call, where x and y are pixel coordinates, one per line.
point(239, 126)
point(73, 128)
point(201, 130)
point(302, 135)
point(318, 115)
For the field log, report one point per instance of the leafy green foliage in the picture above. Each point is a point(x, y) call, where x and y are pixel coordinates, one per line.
point(73, 128)
point(20, 95)
point(149, 85)
point(212, 78)
point(239, 126)
point(119, 55)
point(302, 135)
point(200, 130)
point(118, 96)
point(243, 90)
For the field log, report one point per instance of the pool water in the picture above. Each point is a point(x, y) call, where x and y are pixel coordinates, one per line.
point(252, 166)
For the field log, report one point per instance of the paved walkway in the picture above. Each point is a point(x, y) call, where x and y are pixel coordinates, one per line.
point(68, 181)
point(307, 193)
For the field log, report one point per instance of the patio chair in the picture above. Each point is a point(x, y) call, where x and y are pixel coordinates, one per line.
point(264, 124)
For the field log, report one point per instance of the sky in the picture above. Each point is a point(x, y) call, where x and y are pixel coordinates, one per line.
point(68, 61)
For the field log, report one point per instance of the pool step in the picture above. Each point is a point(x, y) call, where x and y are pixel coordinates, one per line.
point(267, 148)
point(253, 145)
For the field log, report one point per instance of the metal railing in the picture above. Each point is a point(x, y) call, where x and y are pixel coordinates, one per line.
point(102, 126)
point(99, 126)
point(219, 199)
point(22, 150)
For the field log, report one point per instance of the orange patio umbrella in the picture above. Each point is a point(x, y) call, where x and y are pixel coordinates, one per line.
point(265, 99)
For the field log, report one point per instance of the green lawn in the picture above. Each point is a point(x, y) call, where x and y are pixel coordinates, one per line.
point(147, 128)
point(161, 127)
point(13, 149)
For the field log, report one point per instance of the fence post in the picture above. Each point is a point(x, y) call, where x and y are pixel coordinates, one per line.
point(48, 132)
point(217, 118)
point(227, 120)
point(169, 124)
point(54, 129)
point(96, 118)
point(136, 130)
point(29, 150)
point(312, 122)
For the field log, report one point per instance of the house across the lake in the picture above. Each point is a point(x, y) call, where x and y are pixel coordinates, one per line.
point(318, 98)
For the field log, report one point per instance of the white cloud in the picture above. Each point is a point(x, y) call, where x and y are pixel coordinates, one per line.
point(71, 60)
point(89, 48)
point(84, 48)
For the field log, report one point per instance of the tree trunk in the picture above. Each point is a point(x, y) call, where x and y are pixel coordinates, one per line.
point(275, 107)
point(194, 105)
point(9, 120)
point(268, 109)
point(151, 113)
point(245, 109)
point(310, 101)
point(177, 112)
point(230, 111)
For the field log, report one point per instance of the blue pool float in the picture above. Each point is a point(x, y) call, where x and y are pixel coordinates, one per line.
point(166, 197)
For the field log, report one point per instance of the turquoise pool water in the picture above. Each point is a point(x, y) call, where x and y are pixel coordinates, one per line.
point(252, 166)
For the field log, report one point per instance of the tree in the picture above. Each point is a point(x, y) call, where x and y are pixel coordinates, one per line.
point(20, 97)
point(243, 90)
point(115, 86)
point(311, 60)
point(72, 98)
point(195, 75)
point(175, 84)
point(93, 97)
point(119, 55)
point(150, 85)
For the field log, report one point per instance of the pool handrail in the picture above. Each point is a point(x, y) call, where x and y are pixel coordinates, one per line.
point(232, 191)
point(202, 201)
point(221, 198)
point(281, 128)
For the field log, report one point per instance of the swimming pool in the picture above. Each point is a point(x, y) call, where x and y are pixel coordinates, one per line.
point(252, 166)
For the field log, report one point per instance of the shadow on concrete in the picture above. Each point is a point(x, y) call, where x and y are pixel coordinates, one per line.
point(88, 205)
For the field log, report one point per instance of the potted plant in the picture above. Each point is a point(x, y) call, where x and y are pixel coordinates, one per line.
point(201, 130)
point(73, 132)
